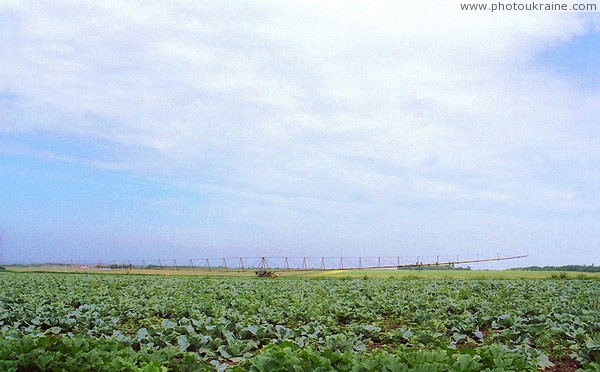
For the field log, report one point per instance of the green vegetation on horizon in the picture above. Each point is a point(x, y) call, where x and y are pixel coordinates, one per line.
point(579, 268)
point(456, 274)
point(297, 274)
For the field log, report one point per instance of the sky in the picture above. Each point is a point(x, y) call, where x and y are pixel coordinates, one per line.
point(194, 129)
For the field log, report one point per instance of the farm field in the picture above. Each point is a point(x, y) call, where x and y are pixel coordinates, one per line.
point(57, 321)
point(343, 274)
point(459, 274)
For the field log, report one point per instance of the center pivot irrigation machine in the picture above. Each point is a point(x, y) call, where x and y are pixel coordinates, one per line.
point(265, 270)
point(264, 266)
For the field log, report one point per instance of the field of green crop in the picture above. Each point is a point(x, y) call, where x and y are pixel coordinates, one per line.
point(51, 321)
point(343, 274)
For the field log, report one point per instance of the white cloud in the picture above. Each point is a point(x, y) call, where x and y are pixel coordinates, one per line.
point(381, 102)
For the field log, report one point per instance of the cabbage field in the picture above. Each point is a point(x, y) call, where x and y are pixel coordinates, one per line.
point(155, 323)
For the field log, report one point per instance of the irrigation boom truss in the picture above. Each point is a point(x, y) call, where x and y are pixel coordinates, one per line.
point(270, 264)
point(447, 263)
point(266, 270)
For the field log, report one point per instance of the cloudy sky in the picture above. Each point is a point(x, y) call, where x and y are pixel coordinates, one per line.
point(132, 130)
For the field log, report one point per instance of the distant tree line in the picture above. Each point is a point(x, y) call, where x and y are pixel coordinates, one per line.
point(581, 268)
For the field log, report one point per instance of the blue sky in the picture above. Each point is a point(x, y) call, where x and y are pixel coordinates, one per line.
point(208, 130)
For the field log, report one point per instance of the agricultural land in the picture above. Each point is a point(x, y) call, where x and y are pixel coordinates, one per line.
point(386, 320)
